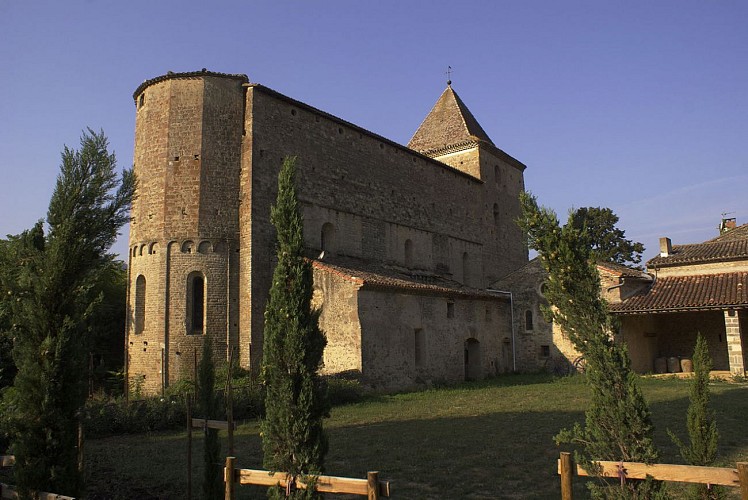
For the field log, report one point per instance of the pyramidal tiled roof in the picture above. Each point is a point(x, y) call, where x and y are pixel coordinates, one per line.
point(449, 123)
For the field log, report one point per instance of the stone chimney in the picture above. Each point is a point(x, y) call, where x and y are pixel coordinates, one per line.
point(666, 247)
point(727, 224)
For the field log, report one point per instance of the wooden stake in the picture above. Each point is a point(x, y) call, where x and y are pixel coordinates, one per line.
point(230, 404)
point(372, 485)
point(743, 478)
point(567, 468)
point(189, 448)
point(81, 463)
point(228, 478)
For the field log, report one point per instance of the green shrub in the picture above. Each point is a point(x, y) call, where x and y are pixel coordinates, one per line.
point(341, 391)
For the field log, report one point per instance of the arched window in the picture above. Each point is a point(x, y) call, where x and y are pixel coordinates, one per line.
point(195, 303)
point(327, 239)
point(528, 320)
point(140, 304)
point(408, 253)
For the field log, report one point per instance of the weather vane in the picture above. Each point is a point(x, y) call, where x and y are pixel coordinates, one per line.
point(449, 75)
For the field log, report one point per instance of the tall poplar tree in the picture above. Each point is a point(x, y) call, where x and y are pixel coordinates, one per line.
point(295, 403)
point(617, 423)
point(55, 299)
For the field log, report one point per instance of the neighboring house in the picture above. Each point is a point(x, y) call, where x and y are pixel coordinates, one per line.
point(696, 288)
point(404, 239)
point(541, 345)
point(686, 289)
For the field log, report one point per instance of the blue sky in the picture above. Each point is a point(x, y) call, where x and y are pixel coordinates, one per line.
point(639, 106)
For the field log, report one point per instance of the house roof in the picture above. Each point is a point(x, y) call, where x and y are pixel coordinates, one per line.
point(624, 271)
point(450, 123)
point(688, 293)
point(732, 245)
point(375, 276)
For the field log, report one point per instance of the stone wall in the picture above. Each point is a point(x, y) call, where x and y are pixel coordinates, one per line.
point(184, 223)
point(208, 148)
point(409, 340)
point(674, 335)
point(379, 196)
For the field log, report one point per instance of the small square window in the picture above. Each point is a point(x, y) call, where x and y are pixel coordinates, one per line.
point(545, 351)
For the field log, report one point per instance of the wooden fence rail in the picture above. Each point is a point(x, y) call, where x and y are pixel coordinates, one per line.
point(724, 476)
point(371, 487)
point(8, 492)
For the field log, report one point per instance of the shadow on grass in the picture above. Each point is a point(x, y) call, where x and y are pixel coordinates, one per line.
point(481, 453)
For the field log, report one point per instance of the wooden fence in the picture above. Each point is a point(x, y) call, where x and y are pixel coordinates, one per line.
point(724, 476)
point(8, 492)
point(371, 487)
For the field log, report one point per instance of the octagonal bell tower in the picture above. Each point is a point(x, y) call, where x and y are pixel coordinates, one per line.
point(183, 261)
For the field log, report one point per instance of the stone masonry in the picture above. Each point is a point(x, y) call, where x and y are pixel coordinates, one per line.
point(405, 240)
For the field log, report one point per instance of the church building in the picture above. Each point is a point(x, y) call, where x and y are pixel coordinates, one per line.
point(405, 241)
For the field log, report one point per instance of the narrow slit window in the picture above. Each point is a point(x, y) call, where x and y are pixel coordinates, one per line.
point(528, 320)
point(196, 304)
point(140, 304)
point(418, 346)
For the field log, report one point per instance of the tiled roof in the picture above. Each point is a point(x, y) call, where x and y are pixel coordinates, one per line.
point(369, 275)
point(731, 245)
point(449, 123)
point(684, 293)
point(190, 74)
point(625, 271)
point(738, 233)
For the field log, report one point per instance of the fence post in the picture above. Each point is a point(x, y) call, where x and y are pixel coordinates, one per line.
point(230, 403)
point(743, 477)
point(372, 485)
point(189, 447)
point(228, 478)
point(567, 473)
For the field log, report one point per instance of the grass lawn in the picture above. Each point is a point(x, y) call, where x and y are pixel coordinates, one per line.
point(490, 439)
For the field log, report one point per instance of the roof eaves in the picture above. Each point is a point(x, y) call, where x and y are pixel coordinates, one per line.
point(189, 74)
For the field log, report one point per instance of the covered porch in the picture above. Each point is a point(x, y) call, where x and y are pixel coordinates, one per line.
point(663, 321)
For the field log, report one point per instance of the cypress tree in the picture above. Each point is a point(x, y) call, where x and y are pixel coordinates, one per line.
point(56, 298)
point(295, 402)
point(617, 423)
point(209, 408)
point(701, 422)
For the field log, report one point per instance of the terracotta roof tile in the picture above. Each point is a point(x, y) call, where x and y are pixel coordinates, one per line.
point(625, 271)
point(682, 293)
point(731, 245)
point(369, 275)
point(450, 123)
point(190, 74)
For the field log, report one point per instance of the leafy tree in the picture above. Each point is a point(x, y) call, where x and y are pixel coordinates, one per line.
point(701, 422)
point(617, 423)
point(54, 299)
point(295, 401)
point(209, 407)
point(608, 243)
